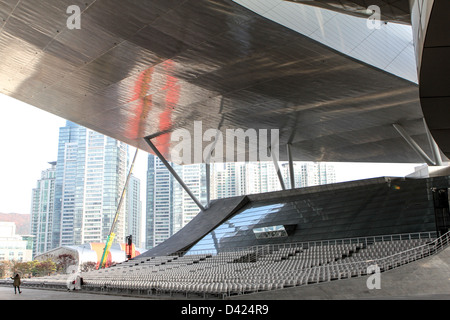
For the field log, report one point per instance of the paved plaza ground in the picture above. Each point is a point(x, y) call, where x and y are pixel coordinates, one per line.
point(7, 293)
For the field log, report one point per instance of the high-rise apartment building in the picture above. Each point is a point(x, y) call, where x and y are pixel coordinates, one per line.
point(159, 206)
point(42, 210)
point(134, 210)
point(227, 179)
point(261, 177)
point(90, 175)
point(184, 208)
point(315, 173)
point(238, 178)
point(169, 207)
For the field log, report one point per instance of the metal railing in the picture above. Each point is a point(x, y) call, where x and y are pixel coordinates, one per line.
point(268, 248)
point(255, 277)
point(361, 267)
point(415, 253)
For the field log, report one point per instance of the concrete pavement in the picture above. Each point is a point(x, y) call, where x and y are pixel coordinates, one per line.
point(7, 293)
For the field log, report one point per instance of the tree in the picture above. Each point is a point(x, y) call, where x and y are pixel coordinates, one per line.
point(88, 266)
point(5, 269)
point(43, 268)
point(64, 261)
point(23, 268)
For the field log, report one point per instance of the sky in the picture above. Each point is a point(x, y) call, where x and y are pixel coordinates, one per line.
point(29, 140)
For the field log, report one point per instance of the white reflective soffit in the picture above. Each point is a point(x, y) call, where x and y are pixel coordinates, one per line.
point(390, 48)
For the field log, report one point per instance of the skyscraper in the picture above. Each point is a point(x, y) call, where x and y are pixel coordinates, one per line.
point(227, 180)
point(261, 177)
point(315, 173)
point(159, 218)
point(185, 209)
point(134, 210)
point(238, 178)
point(90, 176)
point(169, 207)
point(42, 210)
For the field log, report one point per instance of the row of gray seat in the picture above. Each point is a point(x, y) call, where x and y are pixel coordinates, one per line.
point(242, 272)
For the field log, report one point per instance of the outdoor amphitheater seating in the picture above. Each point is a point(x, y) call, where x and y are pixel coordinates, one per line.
point(259, 268)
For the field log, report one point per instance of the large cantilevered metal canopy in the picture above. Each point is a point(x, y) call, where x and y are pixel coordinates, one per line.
point(398, 11)
point(138, 69)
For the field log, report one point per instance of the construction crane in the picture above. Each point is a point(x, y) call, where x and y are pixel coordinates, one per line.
point(111, 234)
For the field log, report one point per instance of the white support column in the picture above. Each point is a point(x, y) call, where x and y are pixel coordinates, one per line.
point(208, 184)
point(434, 147)
point(277, 168)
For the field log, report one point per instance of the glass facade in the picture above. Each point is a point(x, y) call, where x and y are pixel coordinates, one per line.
point(134, 210)
point(159, 218)
point(90, 175)
point(229, 234)
point(169, 207)
point(185, 209)
point(42, 209)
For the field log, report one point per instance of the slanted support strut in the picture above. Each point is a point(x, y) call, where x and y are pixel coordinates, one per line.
point(413, 144)
point(208, 183)
point(291, 166)
point(174, 173)
point(277, 168)
point(434, 147)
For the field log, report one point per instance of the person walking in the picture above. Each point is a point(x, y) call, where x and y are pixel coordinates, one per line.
point(16, 283)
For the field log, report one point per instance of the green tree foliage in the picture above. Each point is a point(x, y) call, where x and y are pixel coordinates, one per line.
point(44, 268)
point(25, 269)
point(5, 269)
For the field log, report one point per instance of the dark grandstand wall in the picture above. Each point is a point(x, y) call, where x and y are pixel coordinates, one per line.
point(371, 207)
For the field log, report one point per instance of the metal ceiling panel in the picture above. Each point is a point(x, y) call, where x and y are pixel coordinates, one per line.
point(138, 69)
